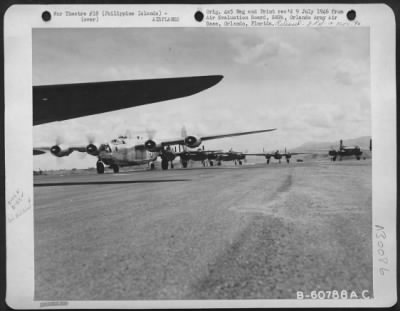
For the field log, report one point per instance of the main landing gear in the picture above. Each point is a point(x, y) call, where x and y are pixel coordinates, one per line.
point(115, 168)
point(164, 164)
point(100, 167)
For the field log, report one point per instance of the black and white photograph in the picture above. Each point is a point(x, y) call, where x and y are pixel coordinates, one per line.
point(203, 163)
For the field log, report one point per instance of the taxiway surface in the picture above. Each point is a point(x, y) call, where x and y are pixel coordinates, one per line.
point(254, 231)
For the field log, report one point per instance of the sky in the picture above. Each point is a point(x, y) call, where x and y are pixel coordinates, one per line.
point(312, 84)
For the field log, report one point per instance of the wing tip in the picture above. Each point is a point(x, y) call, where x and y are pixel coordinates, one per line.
point(212, 80)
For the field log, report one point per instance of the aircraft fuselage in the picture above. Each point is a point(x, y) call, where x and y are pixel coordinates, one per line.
point(346, 151)
point(121, 152)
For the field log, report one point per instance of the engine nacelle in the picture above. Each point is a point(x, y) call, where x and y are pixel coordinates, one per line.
point(192, 141)
point(60, 150)
point(93, 149)
point(332, 153)
point(152, 146)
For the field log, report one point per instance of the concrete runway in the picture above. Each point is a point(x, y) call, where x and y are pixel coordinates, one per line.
point(254, 231)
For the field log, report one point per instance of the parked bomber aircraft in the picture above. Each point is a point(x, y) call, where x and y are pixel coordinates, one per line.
point(277, 155)
point(347, 151)
point(66, 101)
point(236, 157)
point(204, 156)
point(126, 152)
point(191, 141)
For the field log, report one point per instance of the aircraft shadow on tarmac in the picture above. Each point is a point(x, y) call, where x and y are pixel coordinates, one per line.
point(111, 182)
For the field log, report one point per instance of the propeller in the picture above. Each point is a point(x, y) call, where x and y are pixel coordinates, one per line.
point(59, 139)
point(151, 133)
point(90, 138)
point(183, 132)
point(82, 155)
point(128, 133)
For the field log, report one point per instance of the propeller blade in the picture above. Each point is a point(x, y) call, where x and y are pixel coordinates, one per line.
point(82, 155)
point(90, 138)
point(59, 139)
point(151, 133)
point(60, 160)
point(183, 132)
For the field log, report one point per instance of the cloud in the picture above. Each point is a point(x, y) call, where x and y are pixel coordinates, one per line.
point(251, 50)
point(351, 71)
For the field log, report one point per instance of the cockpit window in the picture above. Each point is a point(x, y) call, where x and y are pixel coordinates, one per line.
point(105, 147)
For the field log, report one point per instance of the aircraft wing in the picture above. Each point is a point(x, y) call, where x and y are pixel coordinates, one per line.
point(235, 134)
point(66, 101)
point(40, 150)
point(257, 154)
point(296, 153)
point(181, 141)
point(58, 150)
point(191, 141)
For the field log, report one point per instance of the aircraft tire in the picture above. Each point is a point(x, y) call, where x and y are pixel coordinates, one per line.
point(211, 163)
point(152, 166)
point(240, 163)
point(100, 167)
point(164, 164)
point(115, 168)
point(358, 158)
point(172, 165)
point(219, 163)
